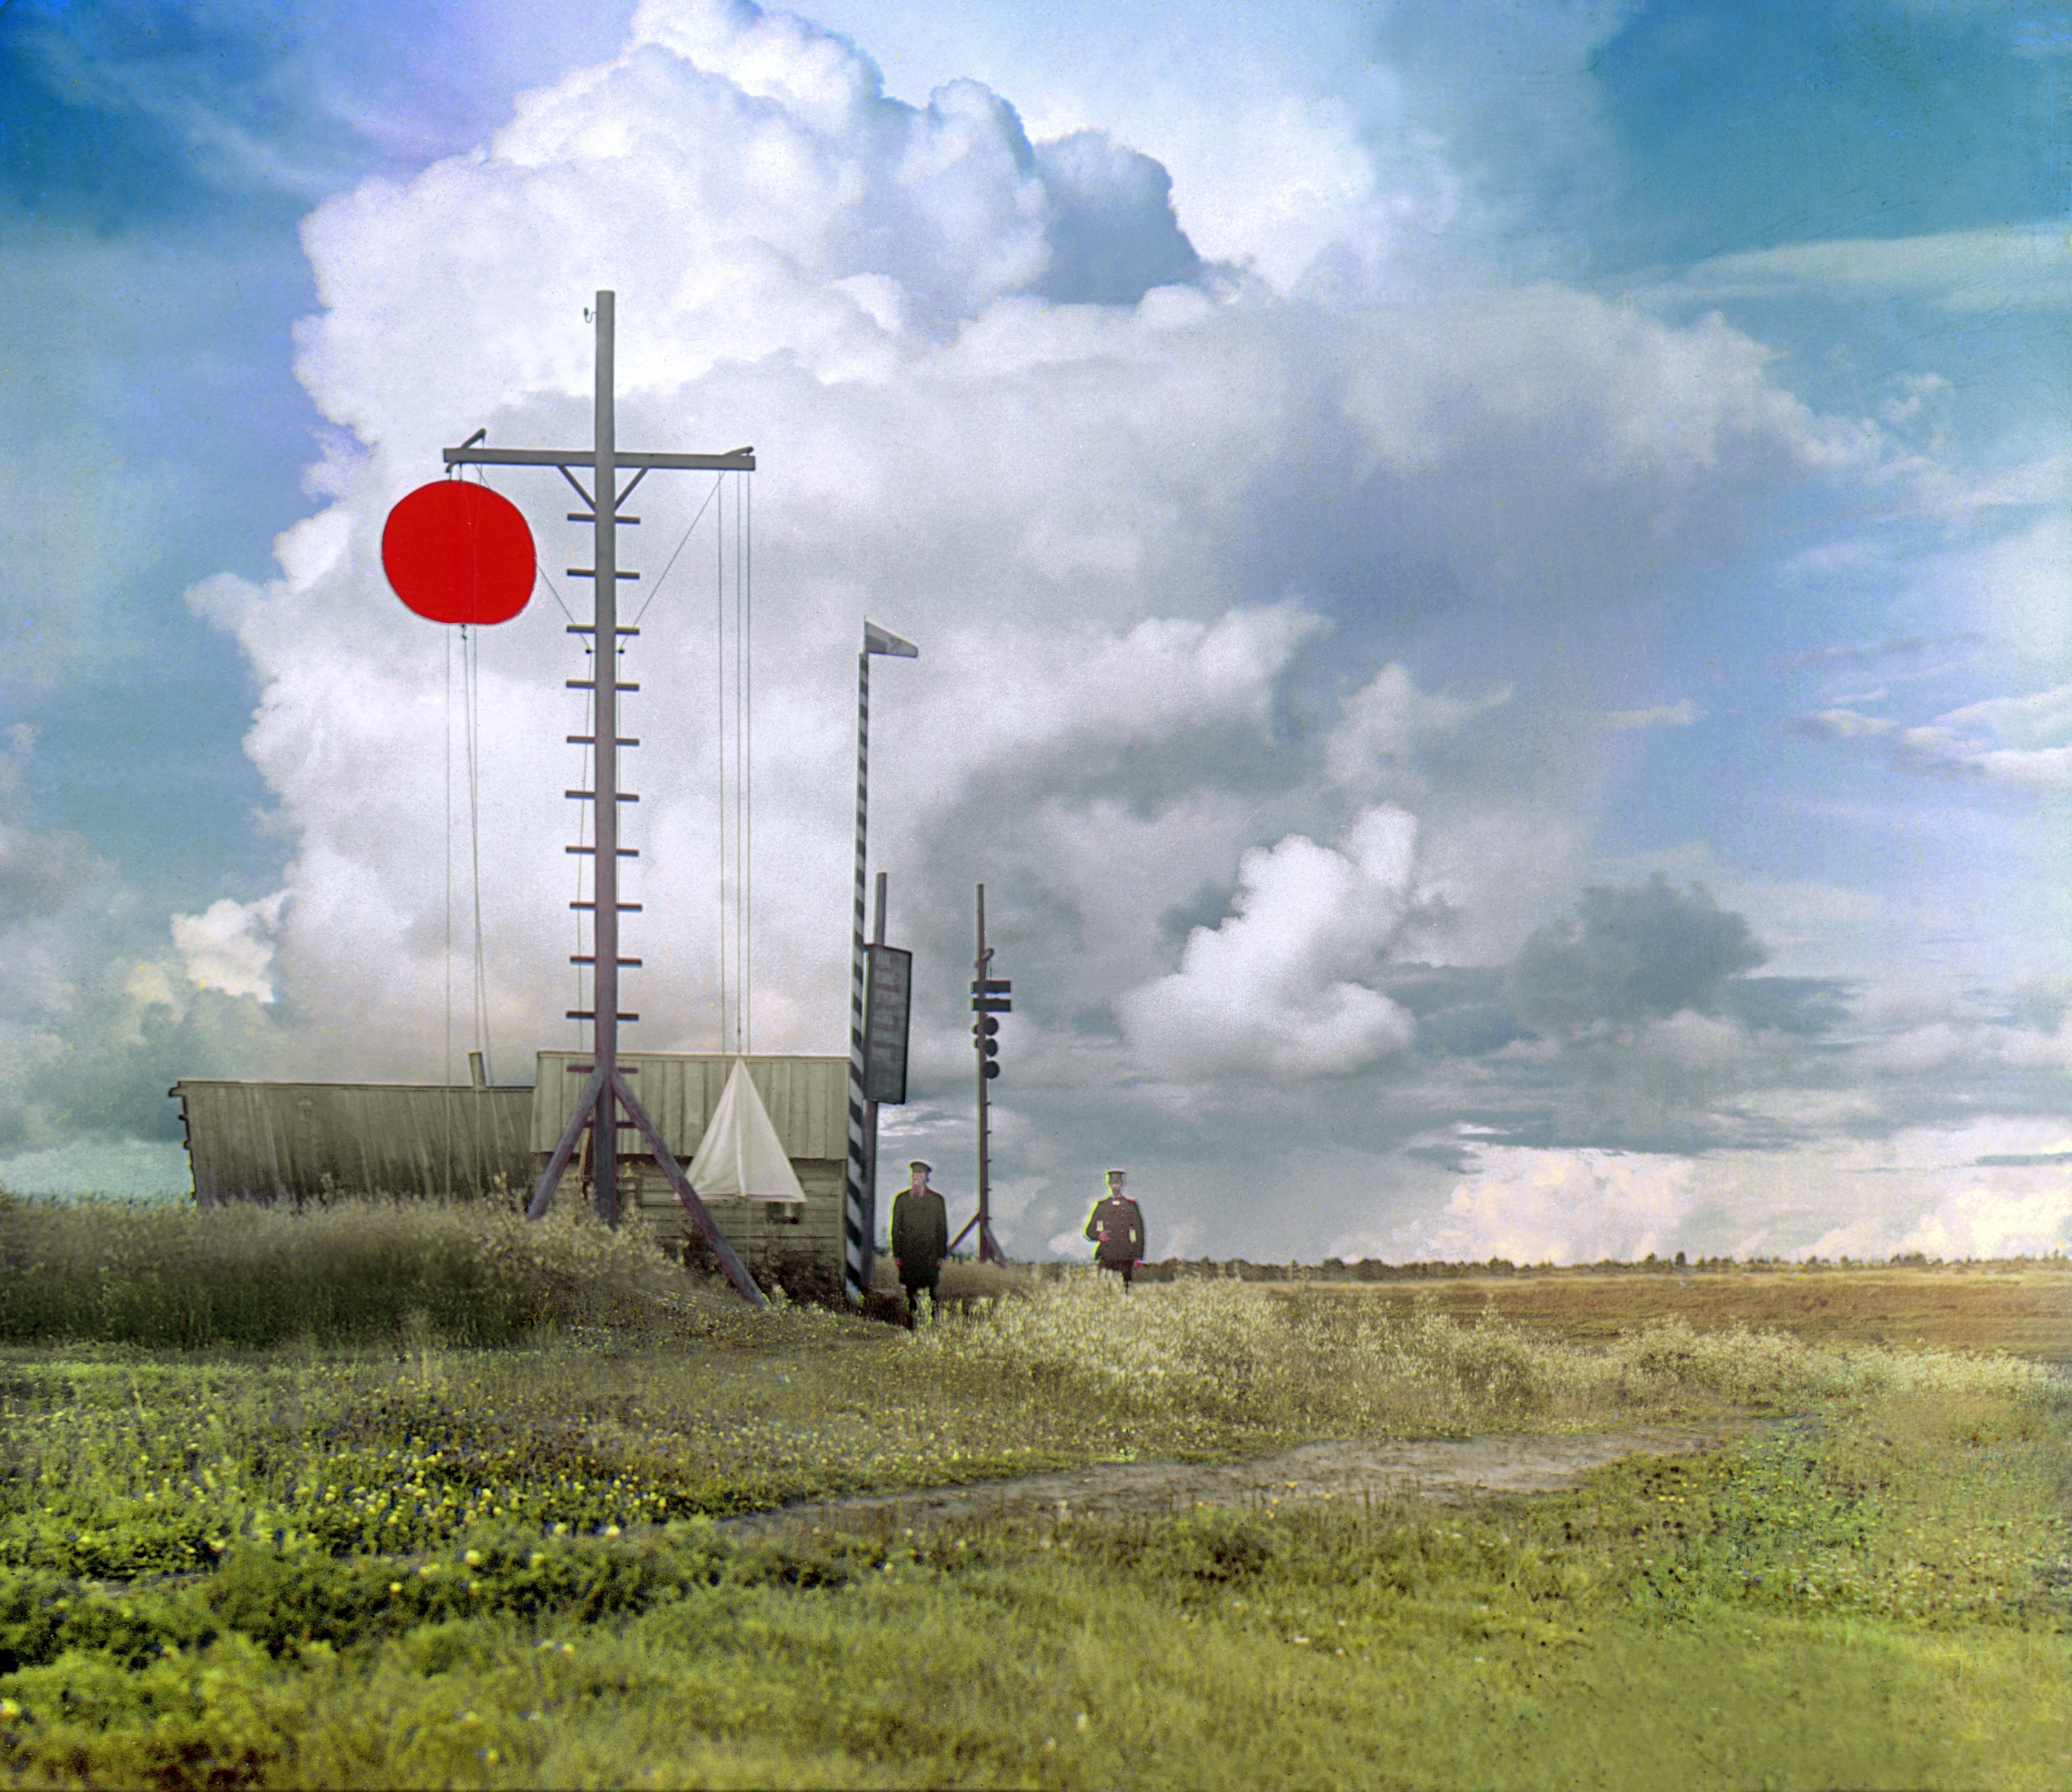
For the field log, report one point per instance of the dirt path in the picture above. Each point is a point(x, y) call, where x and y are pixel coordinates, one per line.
point(1445, 1471)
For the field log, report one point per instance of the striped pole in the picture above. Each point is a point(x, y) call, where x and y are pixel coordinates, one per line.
point(860, 1202)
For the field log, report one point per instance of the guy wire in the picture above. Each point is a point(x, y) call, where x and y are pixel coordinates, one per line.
point(719, 669)
point(655, 590)
point(747, 546)
point(740, 794)
point(470, 670)
point(446, 1081)
point(448, 1078)
point(541, 571)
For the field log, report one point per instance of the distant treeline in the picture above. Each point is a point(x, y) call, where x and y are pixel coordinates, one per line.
point(1371, 1269)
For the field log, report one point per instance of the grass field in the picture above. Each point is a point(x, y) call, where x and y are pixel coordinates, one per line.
point(464, 1533)
point(2021, 1309)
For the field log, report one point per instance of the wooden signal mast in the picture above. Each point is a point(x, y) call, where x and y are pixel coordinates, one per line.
point(607, 1093)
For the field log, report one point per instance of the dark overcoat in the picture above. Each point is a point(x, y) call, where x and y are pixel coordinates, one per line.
point(1117, 1227)
point(920, 1234)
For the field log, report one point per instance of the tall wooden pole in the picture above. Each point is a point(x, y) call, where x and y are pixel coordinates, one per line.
point(604, 662)
point(988, 1251)
point(607, 1093)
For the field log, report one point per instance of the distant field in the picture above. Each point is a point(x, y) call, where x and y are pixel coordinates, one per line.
point(2024, 1310)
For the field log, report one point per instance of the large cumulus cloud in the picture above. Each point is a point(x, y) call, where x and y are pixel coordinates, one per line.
point(1167, 533)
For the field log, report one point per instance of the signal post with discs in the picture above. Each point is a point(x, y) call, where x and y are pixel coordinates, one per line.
point(445, 543)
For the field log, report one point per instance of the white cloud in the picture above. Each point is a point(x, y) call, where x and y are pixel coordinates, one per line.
point(1127, 533)
point(1564, 1207)
point(1993, 1188)
point(1680, 714)
point(1962, 270)
point(1383, 725)
point(1986, 1222)
point(1920, 1188)
point(1016, 690)
point(2020, 741)
point(1275, 990)
point(96, 1016)
point(229, 947)
point(1844, 725)
point(2043, 718)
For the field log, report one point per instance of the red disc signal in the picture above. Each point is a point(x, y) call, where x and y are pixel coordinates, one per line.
point(457, 553)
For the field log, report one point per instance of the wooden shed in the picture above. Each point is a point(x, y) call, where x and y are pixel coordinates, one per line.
point(807, 1099)
point(306, 1142)
point(301, 1142)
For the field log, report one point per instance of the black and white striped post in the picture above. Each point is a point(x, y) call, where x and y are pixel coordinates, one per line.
point(860, 1202)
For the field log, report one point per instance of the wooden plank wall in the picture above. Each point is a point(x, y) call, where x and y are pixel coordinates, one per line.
point(807, 1099)
point(311, 1141)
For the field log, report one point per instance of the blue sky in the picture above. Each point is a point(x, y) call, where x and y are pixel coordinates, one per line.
point(1364, 479)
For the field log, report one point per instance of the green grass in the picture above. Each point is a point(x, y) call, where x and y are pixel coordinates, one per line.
point(177, 1277)
point(396, 1562)
point(1878, 1601)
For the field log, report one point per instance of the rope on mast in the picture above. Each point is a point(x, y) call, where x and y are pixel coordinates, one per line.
point(719, 720)
point(746, 550)
point(471, 671)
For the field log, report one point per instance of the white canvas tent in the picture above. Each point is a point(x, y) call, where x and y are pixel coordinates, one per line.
point(740, 1154)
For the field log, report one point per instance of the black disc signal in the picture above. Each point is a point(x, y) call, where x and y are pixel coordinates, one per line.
point(991, 997)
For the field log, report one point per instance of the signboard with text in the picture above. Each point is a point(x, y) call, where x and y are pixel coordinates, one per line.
point(889, 978)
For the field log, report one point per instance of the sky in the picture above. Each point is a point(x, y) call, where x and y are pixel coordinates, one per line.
point(1491, 583)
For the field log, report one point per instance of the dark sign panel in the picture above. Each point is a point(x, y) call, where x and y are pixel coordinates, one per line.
point(890, 979)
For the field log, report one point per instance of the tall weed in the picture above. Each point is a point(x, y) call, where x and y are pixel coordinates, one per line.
point(164, 1277)
point(1233, 1352)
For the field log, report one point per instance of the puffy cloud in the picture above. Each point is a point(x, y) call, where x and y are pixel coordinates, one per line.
point(97, 1019)
point(1985, 1188)
point(1971, 1190)
point(1647, 951)
point(1283, 988)
point(1141, 531)
point(1986, 1222)
point(230, 947)
point(1564, 1207)
point(1382, 725)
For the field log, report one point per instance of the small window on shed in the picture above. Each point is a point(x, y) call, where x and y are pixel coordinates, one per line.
point(783, 1213)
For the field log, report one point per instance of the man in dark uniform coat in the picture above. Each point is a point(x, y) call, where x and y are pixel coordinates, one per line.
point(1117, 1227)
point(920, 1238)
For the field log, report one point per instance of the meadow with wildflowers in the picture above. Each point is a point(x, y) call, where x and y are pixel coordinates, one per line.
point(481, 1541)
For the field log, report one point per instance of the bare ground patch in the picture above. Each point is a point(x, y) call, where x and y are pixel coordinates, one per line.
point(1440, 1471)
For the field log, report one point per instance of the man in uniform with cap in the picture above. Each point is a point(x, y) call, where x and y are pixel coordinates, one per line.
point(1117, 1227)
point(920, 1238)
